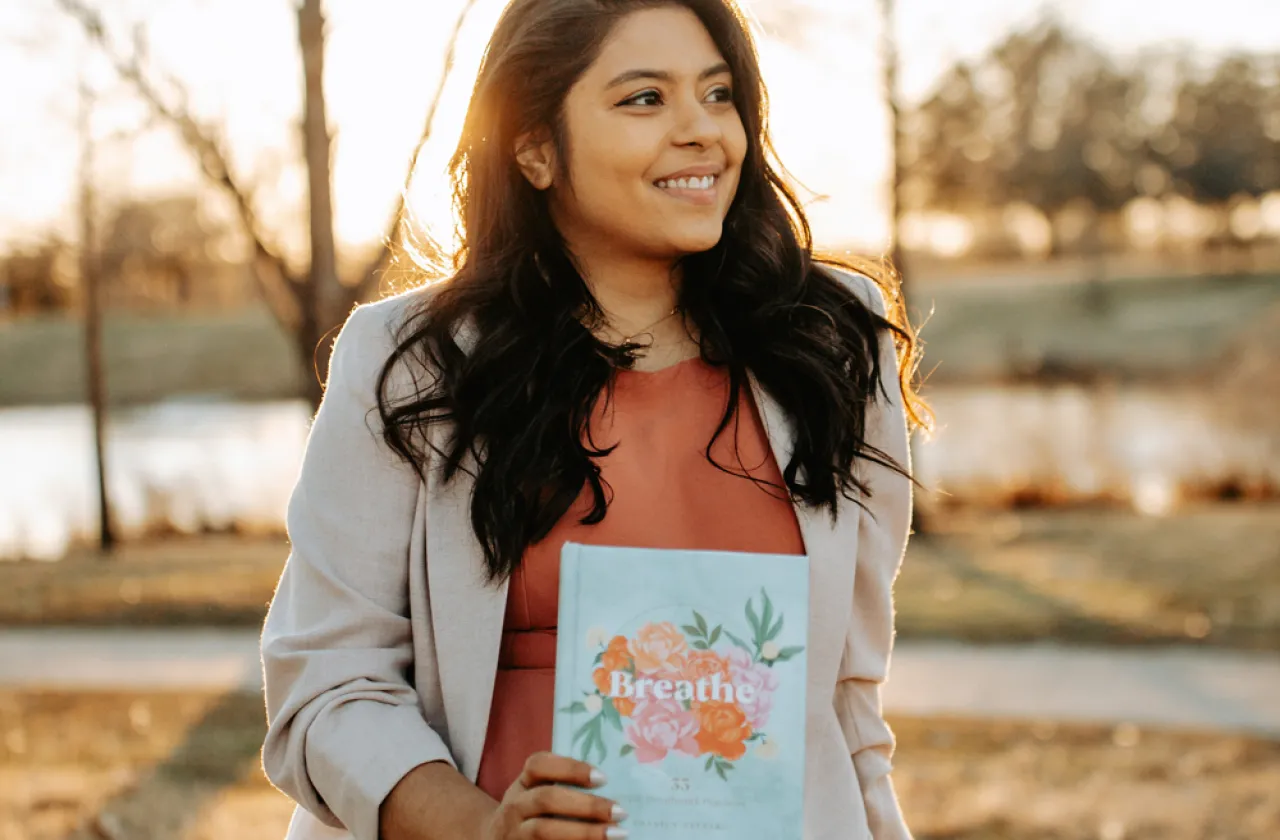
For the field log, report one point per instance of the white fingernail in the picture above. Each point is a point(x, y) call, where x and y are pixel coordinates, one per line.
point(618, 813)
point(615, 833)
point(598, 778)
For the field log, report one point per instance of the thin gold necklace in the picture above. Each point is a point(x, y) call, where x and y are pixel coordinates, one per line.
point(627, 338)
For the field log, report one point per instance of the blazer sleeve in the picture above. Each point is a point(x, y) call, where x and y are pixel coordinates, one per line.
point(344, 721)
point(882, 541)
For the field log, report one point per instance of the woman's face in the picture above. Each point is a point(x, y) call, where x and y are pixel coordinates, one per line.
point(654, 142)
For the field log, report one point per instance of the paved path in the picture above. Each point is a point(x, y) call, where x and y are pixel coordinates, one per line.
point(1181, 687)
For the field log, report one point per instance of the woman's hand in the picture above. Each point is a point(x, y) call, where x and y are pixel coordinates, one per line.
point(539, 806)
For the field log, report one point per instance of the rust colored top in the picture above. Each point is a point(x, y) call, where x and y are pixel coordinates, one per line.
point(665, 494)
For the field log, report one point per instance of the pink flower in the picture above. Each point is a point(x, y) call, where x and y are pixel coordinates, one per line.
point(760, 677)
point(659, 726)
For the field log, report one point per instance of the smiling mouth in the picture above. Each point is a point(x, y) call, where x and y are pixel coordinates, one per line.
point(706, 183)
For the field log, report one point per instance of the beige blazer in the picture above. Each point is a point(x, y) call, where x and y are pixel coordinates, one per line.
point(381, 645)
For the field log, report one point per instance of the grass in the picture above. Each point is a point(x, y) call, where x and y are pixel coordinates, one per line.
point(219, 580)
point(1208, 575)
point(239, 355)
point(89, 766)
point(1133, 328)
point(1162, 329)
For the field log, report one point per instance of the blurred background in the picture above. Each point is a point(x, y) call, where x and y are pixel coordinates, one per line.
point(1084, 199)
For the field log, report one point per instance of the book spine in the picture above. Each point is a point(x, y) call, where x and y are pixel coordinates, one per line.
point(568, 642)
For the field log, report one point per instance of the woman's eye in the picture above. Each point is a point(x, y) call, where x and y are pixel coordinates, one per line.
point(644, 97)
point(721, 94)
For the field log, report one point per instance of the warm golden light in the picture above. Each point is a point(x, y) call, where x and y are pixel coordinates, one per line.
point(383, 65)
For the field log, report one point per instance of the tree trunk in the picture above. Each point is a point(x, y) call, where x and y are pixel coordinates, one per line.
point(893, 106)
point(889, 58)
point(314, 357)
point(326, 293)
point(92, 291)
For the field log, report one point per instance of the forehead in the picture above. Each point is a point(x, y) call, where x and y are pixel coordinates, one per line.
point(670, 39)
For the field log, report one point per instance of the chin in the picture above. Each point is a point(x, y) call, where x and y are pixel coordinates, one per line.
point(696, 241)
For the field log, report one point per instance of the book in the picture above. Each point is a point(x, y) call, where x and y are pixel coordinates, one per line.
point(681, 675)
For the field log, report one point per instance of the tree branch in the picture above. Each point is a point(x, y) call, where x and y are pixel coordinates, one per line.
point(373, 272)
point(279, 288)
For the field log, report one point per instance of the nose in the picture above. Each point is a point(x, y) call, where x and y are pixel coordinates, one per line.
point(697, 126)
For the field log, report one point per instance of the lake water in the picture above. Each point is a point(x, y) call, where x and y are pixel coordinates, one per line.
point(193, 465)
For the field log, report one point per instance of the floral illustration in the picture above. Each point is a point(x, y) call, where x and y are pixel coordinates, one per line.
point(692, 689)
point(658, 647)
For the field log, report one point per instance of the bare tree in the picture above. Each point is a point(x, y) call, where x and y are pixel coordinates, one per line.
point(308, 303)
point(92, 291)
point(893, 105)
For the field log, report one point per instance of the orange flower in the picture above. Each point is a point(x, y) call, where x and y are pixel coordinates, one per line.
point(657, 647)
point(722, 729)
point(616, 656)
point(600, 677)
point(699, 664)
point(624, 705)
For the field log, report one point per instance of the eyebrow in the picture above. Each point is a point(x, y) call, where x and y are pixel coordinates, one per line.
point(664, 76)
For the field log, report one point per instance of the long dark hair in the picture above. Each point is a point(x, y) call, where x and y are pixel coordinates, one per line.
point(518, 400)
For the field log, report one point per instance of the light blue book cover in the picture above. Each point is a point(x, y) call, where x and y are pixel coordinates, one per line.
point(681, 675)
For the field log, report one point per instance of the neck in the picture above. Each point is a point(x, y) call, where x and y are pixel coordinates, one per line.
point(635, 292)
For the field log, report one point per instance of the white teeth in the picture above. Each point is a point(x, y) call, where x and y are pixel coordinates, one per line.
point(704, 183)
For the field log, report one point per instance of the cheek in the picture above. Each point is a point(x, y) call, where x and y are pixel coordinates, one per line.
point(607, 178)
point(735, 141)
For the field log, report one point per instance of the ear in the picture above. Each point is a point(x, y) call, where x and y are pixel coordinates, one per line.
point(536, 157)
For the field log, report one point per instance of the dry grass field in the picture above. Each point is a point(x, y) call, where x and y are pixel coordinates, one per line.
point(185, 767)
point(1206, 575)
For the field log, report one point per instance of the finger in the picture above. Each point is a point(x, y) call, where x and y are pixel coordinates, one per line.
point(546, 828)
point(548, 768)
point(565, 803)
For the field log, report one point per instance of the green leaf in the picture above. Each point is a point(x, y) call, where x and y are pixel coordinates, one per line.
point(699, 645)
point(582, 730)
point(753, 620)
point(774, 631)
point(702, 623)
point(599, 656)
point(788, 652)
point(767, 619)
point(594, 740)
point(627, 749)
point(574, 708)
point(720, 772)
point(710, 760)
point(715, 635)
point(611, 714)
point(690, 630)
point(738, 641)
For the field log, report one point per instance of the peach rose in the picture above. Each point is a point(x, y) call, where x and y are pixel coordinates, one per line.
point(722, 729)
point(658, 647)
point(616, 656)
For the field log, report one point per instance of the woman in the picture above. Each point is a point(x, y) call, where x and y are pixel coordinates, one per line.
point(635, 348)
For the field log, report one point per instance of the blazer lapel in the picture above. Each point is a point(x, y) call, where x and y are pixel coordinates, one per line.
point(832, 548)
point(467, 615)
point(467, 612)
